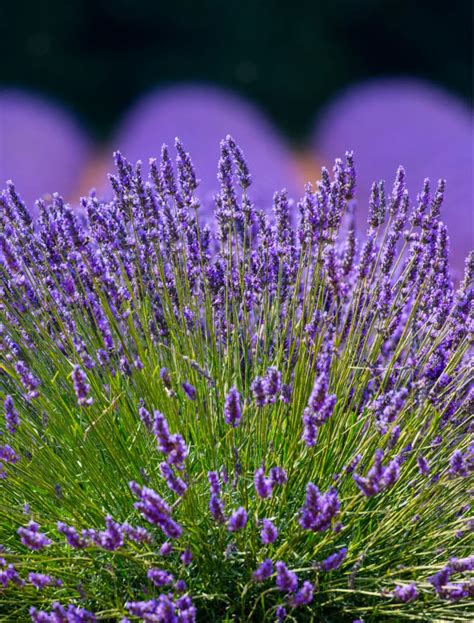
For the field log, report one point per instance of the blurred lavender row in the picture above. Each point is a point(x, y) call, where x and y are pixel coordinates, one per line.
point(386, 122)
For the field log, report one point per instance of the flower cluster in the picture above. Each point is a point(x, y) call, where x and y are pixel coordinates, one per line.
point(265, 417)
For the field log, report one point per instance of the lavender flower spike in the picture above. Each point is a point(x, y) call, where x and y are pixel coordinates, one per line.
point(406, 593)
point(32, 538)
point(238, 520)
point(81, 387)
point(232, 408)
point(12, 420)
point(286, 580)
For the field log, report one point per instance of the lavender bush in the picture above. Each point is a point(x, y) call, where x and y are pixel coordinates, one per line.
point(255, 422)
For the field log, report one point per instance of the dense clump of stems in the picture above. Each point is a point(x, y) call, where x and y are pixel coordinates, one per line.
point(259, 417)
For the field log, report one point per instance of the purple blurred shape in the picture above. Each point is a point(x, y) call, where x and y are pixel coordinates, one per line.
point(201, 116)
point(42, 149)
point(403, 121)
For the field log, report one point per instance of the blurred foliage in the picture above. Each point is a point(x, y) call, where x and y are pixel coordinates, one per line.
point(99, 55)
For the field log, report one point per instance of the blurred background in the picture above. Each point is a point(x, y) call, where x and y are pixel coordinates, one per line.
point(297, 83)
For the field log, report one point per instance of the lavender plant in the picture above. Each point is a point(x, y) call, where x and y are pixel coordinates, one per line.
point(248, 421)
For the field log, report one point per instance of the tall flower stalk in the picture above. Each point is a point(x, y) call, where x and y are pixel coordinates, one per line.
point(244, 421)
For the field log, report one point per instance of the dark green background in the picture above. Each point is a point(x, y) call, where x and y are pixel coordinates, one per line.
point(290, 56)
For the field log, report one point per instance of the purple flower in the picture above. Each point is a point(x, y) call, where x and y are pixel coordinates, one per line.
point(286, 580)
point(186, 557)
point(263, 486)
point(456, 591)
point(379, 477)
point(258, 390)
point(155, 510)
point(406, 593)
point(422, 465)
point(272, 385)
point(160, 577)
point(238, 520)
point(334, 561)
point(8, 455)
point(9, 574)
point(320, 408)
point(278, 476)
point(269, 532)
point(165, 377)
point(32, 538)
point(319, 509)
point(145, 417)
point(189, 390)
point(60, 614)
point(28, 379)
point(280, 613)
point(180, 586)
point(263, 571)
point(39, 580)
point(165, 549)
point(216, 507)
point(440, 579)
point(173, 445)
point(213, 478)
point(304, 596)
point(137, 534)
point(72, 537)
point(232, 408)
point(12, 420)
point(457, 466)
point(174, 482)
point(459, 565)
point(112, 537)
point(81, 387)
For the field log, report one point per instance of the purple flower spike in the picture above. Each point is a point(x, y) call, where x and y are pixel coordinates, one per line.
point(263, 486)
point(81, 387)
point(60, 614)
point(269, 532)
point(173, 445)
point(155, 510)
point(213, 478)
point(72, 537)
point(9, 575)
point(238, 520)
point(280, 614)
point(319, 509)
point(216, 507)
point(263, 571)
point(112, 537)
point(379, 477)
point(32, 538)
point(272, 384)
point(422, 465)
point(160, 577)
point(189, 390)
point(278, 476)
point(12, 420)
point(174, 482)
point(186, 557)
point(334, 561)
point(304, 596)
point(405, 593)
point(39, 580)
point(258, 390)
point(286, 580)
point(232, 408)
point(166, 548)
